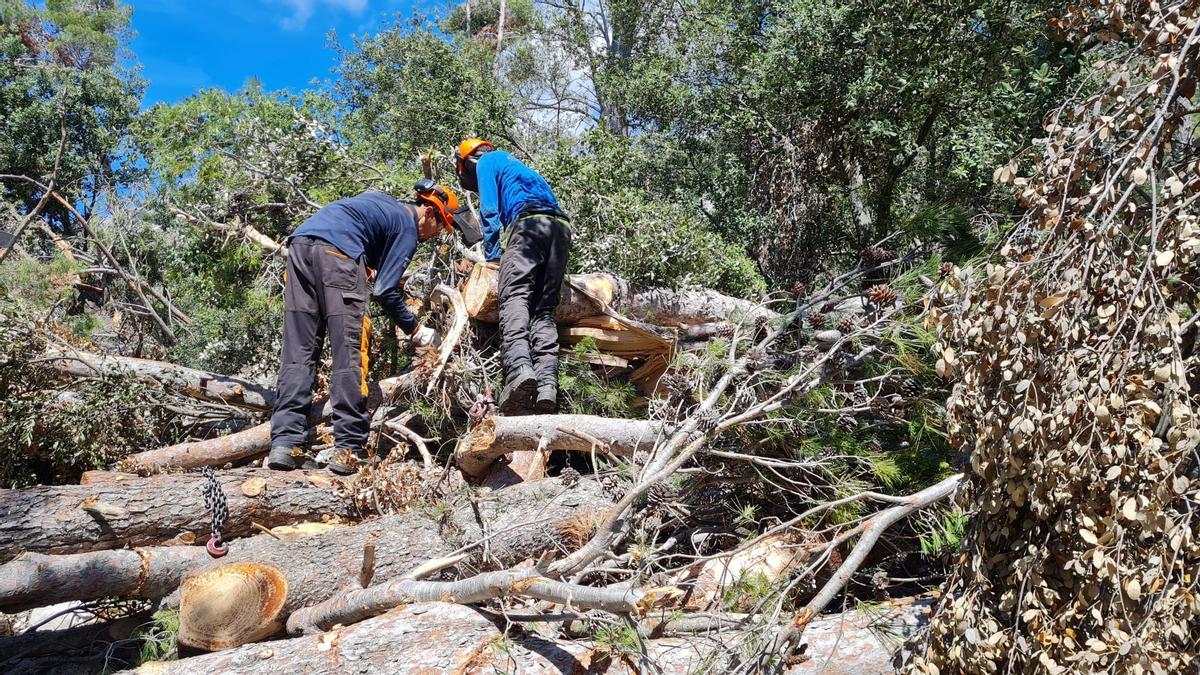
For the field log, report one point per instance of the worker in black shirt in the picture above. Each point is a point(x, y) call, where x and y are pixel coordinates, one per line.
point(326, 290)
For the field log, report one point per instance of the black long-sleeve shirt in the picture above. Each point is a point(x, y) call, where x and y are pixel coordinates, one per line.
point(380, 229)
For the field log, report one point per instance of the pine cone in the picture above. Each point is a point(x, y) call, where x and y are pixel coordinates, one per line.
point(847, 423)
point(882, 295)
point(816, 319)
point(798, 289)
point(760, 328)
point(847, 325)
point(875, 256)
point(945, 270)
point(660, 494)
point(860, 395)
point(911, 388)
point(569, 477)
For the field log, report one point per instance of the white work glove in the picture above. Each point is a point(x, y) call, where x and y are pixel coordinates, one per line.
point(425, 337)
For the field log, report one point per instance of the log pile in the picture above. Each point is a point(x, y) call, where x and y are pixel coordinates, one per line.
point(495, 560)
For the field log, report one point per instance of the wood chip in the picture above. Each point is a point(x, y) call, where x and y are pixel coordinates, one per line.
point(320, 481)
point(254, 487)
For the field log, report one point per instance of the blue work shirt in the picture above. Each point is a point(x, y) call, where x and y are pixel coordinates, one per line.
point(506, 188)
point(383, 232)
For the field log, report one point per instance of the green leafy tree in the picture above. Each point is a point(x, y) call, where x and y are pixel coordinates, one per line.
point(816, 127)
point(409, 89)
point(61, 71)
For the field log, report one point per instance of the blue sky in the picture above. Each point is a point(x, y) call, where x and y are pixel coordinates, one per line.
point(185, 45)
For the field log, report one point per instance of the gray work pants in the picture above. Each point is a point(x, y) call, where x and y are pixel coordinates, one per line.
point(531, 273)
point(325, 291)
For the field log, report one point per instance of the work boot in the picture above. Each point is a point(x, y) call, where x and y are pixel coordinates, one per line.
point(547, 399)
point(283, 457)
point(517, 396)
point(345, 461)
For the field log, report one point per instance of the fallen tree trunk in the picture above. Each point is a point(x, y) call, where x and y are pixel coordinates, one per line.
point(497, 436)
point(438, 637)
point(520, 522)
point(249, 443)
point(427, 638)
point(661, 306)
point(365, 603)
point(195, 383)
point(74, 518)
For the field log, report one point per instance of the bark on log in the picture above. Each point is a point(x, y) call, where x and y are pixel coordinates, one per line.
point(440, 637)
point(425, 638)
point(496, 436)
point(195, 383)
point(661, 306)
point(250, 443)
point(521, 521)
point(75, 518)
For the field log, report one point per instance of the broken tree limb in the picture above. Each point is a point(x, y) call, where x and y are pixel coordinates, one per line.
point(73, 518)
point(195, 383)
point(365, 603)
point(252, 442)
point(496, 436)
point(245, 230)
point(661, 306)
point(521, 522)
point(450, 339)
point(870, 533)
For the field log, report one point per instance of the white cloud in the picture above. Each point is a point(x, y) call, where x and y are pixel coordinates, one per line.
point(302, 10)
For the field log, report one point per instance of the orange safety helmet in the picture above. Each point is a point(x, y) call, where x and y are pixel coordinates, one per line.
point(441, 198)
point(467, 157)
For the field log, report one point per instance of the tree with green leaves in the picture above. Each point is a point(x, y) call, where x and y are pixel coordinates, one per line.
point(61, 72)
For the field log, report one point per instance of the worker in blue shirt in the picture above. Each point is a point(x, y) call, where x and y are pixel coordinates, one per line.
point(532, 267)
point(326, 289)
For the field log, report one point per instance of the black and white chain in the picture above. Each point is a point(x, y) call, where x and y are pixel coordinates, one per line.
point(214, 501)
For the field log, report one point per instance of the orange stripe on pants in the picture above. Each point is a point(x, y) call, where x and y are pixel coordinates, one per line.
point(364, 350)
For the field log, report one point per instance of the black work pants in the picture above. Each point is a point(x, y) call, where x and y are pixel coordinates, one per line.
point(325, 291)
point(531, 273)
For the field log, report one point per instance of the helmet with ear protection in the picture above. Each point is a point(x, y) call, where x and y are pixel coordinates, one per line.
point(466, 161)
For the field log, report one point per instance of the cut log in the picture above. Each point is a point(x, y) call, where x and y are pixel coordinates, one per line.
point(427, 638)
point(496, 436)
point(480, 293)
point(440, 638)
point(661, 306)
point(519, 522)
point(74, 518)
point(231, 605)
point(195, 383)
point(249, 443)
point(236, 447)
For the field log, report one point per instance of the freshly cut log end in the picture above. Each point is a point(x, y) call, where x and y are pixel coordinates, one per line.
point(231, 605)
